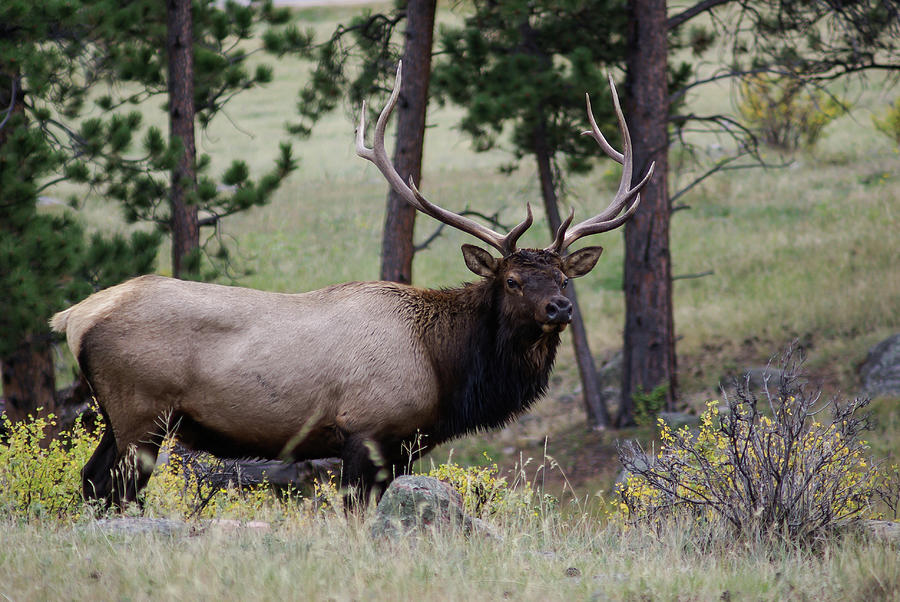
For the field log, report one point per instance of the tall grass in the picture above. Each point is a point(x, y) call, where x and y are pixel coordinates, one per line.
point(330, 557)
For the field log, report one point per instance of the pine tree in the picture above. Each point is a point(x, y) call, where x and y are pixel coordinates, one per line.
point(44, 256)
point(54, 54)
point(527, 64)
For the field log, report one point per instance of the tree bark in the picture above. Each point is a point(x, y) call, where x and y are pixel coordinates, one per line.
point(29, 379)
point(179, 47)
point(28, 375)
point(594, 405)
point(397, 239)
point(649, 352)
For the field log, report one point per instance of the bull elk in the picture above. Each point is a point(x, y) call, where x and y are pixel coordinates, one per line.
point(356, 370)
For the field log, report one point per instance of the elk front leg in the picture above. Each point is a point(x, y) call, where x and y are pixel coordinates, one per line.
point(365, 472)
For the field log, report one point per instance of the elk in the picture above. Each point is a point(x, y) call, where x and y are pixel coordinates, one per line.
point(358, 370)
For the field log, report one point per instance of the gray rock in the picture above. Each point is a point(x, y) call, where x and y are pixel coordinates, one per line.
point(676, 420)
point(141, 526)
point(641, 462)
point(883, 530)
point(761, 377)
point(610, 380)
point(610, 373)
point(880, 373)
point(417, 504)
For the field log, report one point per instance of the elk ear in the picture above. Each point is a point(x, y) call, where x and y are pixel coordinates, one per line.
point(581, 261)
point(479, 261)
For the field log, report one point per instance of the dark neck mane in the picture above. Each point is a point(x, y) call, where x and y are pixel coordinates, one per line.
point(489, 370)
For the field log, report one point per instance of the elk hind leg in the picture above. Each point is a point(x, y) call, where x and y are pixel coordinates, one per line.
point(133, 468)
point(96, 476)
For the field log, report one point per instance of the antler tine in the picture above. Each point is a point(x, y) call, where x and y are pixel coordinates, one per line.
point(378, 155)
point(505, 244)
point(561, 231)
point(612, 217)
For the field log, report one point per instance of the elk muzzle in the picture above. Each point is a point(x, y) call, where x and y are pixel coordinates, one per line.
point(557, 313)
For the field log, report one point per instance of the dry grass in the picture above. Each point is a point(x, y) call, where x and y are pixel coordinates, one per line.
point(330, 558)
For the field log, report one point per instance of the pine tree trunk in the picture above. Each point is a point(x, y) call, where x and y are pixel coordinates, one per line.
point(185, 225)
point(27, 372)
point(649, 353)
point(595, 407)
point(29, 380)
point(397, 240)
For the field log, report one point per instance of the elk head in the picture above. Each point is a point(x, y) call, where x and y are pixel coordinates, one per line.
point(531, 282)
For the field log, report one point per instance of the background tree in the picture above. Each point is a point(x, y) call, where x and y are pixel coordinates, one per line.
point(810, 42)
point(47, 67)
point(648, 351)
point(199, 78)
point(528, 64)
point(51, 57)
point(357, 60)
point(180, 57)
point(397, 247)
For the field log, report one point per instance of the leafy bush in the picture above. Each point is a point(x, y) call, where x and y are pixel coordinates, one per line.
point(40, 478)
point(486, 494)
point(648, 405)
point(198, 485)
point(483, 492)
point(785, 473)
point(889, 123)
point(785, 112)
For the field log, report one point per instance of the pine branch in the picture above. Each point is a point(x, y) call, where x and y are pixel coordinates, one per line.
point(699, 8)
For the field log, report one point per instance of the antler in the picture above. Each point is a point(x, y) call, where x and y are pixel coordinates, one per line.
point(378, 155)
point(611, 217)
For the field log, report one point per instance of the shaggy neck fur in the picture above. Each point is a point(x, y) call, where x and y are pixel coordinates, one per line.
point(489, 369)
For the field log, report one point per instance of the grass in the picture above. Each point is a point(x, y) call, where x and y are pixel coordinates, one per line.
point(331, 558)
point(808, 251)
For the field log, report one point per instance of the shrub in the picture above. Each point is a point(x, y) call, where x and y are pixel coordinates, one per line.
point(40, 478)
point(648, 405)
point(198, 485)
point(785, 113)
point(781, 473)
point(889, 123)
point(483, 492)
point(486, 494)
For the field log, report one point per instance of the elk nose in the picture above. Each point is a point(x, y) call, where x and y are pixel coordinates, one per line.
point(559, 309)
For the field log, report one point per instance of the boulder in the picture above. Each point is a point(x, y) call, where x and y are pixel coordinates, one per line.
point(882, 530)
point(610, 376)
point(758, 378)
point(140, 525)
point(416, 504)
point(676, 420)
point(880, 372)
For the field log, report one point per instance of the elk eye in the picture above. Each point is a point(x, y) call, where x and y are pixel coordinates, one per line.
point(512, 283)
point(565, 282)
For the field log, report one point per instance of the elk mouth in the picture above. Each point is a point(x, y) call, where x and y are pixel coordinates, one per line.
point(556, 327)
